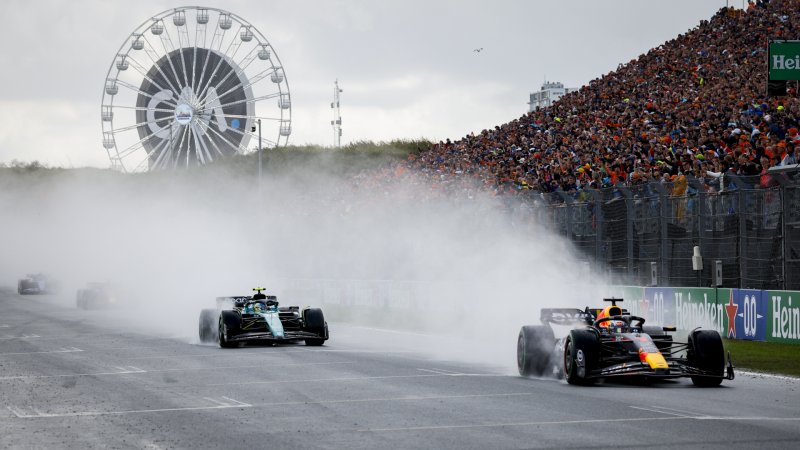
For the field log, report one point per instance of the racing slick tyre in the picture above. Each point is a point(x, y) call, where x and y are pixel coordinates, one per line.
point(229, 323)
point(314, 322)
point(208, 325)
point(707, 353)
point(535, 350)
point(580, 356)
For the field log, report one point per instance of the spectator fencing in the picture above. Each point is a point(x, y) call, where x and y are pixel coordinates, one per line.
point(753, 232)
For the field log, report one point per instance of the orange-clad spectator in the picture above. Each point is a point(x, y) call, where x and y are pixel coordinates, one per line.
point(648, 117)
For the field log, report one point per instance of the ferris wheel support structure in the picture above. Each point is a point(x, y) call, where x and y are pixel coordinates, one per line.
point(174, 99)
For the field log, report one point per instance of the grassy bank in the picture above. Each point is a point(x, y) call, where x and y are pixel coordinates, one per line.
point(769, 357)
point(343, 161)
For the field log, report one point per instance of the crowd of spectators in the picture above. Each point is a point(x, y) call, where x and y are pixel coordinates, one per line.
point(694, 106)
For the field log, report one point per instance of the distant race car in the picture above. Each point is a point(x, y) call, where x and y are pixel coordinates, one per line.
point(609, 342)
point(36, 283)
point(96, 296)
point(259, 318)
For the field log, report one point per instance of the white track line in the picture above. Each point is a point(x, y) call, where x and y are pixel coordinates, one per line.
point(767, 375)
point(443, 372)
point(123, 370)
point(62, 350)
point(682, 411)
point(641, 408)
point(227, 404)
point(24, 336)
point(395, 399)
point(328, 380)
point(127, 370)
point(257, 366)
point(575, 422)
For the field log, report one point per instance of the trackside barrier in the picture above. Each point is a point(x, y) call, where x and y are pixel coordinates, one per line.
point(749, 314)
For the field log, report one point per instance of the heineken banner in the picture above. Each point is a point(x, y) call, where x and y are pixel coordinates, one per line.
point(745, 313)
point(784, 60)
point(734, 313)
point(783, 316)
point(655, 305)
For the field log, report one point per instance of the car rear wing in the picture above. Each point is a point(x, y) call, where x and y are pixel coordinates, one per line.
point(232, 301)
point(565, 316)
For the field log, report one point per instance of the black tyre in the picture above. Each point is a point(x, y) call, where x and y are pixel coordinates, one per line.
point(580, 356)
point(314, 322)
point(707, 353)
point(208, 325)
point(535, 346)
point(229, 324)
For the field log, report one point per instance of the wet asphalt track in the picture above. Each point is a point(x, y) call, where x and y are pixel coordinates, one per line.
point(67, 380)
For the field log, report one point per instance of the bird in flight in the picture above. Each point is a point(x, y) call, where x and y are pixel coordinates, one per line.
point(478, 50)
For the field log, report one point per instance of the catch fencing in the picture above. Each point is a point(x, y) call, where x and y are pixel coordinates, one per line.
point(643, 234)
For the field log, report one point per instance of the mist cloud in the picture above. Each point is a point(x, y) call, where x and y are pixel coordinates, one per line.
point(175, 241)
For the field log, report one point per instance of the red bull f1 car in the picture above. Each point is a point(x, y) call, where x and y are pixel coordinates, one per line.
point(259, 318)
point(594, 344)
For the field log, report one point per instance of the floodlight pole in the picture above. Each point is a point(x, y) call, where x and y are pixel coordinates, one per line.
point(259, 162)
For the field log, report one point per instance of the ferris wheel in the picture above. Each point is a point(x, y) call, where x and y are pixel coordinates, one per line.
point(192, 85)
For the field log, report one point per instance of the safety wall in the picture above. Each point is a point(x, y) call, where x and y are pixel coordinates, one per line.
point(750, 314)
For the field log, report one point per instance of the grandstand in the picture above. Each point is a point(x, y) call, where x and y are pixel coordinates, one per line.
point(671, 150)
point(696, 99)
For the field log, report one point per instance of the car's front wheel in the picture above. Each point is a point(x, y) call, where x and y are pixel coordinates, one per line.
point(580, 354)
point(707, 353)
point(314, 322)
point(228, 322)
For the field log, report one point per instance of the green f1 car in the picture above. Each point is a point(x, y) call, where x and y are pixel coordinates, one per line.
point(260, 319)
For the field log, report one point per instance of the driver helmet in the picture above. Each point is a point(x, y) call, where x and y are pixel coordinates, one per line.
point(609, 311)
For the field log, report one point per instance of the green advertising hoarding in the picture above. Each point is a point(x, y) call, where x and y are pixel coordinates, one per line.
point(784, 60)
point(783, 316)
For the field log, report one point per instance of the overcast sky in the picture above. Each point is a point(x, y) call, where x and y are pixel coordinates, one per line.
point(407, 67)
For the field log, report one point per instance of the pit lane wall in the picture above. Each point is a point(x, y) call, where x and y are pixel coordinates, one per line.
point(749, 314)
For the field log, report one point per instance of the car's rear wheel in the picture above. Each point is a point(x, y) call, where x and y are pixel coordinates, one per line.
point(535, 346)
point(208, 327)
point(228, 324)
point(580, 356)
point(314, 322)
point(707, 353)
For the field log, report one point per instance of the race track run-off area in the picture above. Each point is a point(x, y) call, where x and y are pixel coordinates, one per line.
point(71, 379)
